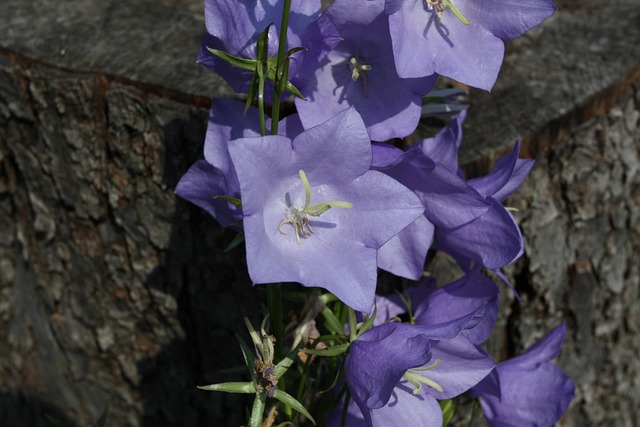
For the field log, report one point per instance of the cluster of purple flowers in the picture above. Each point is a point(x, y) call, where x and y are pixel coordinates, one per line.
point(329, 199)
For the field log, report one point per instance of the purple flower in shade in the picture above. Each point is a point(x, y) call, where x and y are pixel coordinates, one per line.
point(470, 223)
point(360, 72)
point(233, 26)
point(461, 39)
point(527, 390)
point(215, 175)
point(388, 363)
point(287, 189)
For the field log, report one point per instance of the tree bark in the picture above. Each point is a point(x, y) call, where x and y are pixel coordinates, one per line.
point(113, 291)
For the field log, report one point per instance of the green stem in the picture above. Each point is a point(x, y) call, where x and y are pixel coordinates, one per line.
point(280, 68)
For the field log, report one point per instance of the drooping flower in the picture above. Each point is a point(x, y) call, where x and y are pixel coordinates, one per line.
point(313, 211)
point(360, 72)
point(461, 39)
point(468, 222)
point(388, 365)
point(233, 26)
point(528, 390)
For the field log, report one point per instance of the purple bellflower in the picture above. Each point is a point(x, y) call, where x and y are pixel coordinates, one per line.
point(461, 39)
point(215, 176)
point(360, 72)
point(233, 26)
point(388, 365)
point(527, 391)
point(469, 222)
point(313, 211)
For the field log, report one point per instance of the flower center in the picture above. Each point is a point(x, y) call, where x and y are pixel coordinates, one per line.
point(439, 7)
point(299, 218)
point(417, 380)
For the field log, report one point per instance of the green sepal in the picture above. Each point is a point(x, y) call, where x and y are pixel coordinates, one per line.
point(448, 411)
point(257, 411)
point(286, 363)
point(244, 63)
point(353, 325)
point(231, 387)
point(235, 202)
point(251, 93)
point(331, 321)
point(235, 242)
point(336, 350)
point(249, 358)
point(262, 70)
point(437, 95)
point(368, 323)
point(290, 401)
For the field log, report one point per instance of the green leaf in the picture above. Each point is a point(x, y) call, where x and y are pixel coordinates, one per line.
point(286, 363)
point(235, 242)
point(336, 350)
point(448, 411)
point(331, 321)
point(257, 410)
point(103, 417)
point(292, 402)
point(249, 358)
point(235, 202)
point(353, 322)
point(231, 387)
point(56, 422)
point(245, 64)
point(368, 323)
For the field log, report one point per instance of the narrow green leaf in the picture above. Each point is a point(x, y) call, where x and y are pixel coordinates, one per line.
point(251, 93)
point(235, 242)
point(257, 410)
point(103, 417)
point(294, 50)
point(56, 422)
point(289, 400)
point(336, 350)
point(255, 337)
point(331, 321)
point(249, 358)
point(231, 387)
point(368, 323)
point(235, 202)
point(286, 363)
point(245, 64)
point(448, 411)
point(353, 322)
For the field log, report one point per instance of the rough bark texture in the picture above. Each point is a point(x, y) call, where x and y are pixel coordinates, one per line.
point(114, 291)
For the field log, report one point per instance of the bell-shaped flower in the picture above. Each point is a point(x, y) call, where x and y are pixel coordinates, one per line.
point(528, 390)
point(461, 39)
point(313, 211)
point(468, 222)
point(215, 176)
point(396, 371)
point(360, 72)
point(233, 26)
